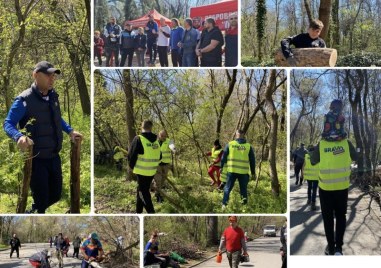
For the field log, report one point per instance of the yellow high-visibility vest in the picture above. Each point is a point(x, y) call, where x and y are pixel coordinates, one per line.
point(214, 156)
point(223, 175)
point(238, 158)
point(311, 172)
point(335, 165)
point(165, 152)
point(147, 163)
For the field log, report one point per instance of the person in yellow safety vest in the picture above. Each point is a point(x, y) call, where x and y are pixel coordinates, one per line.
point(334, 154)
point(311, 174)
point(239, 161)
point(144, 157)
point(119, 154)
point(166, 147)
point(216, 155)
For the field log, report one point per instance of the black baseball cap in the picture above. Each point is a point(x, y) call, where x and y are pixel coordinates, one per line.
point(46, 68)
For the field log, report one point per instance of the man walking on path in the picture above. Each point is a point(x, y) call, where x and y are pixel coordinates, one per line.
point(334, 154)
point(144, 158)
point(166, 147)
point(239, 161)
point(233, 239)
point(37, 110)
point(15, 246)
point(298, 159)
point(311, 174)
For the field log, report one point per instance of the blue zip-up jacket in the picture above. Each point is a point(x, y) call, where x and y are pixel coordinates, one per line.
point(251, 155)
point(16, 114)
point(176, 36)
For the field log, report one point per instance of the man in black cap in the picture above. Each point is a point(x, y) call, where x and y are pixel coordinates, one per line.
point(37, 111)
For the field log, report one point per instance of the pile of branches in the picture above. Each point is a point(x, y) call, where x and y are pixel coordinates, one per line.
point(188, 251)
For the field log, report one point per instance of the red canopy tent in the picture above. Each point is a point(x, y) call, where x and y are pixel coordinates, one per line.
point(219, 11)
point(142, 21)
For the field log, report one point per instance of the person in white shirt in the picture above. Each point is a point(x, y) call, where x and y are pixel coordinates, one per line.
point(163, 42)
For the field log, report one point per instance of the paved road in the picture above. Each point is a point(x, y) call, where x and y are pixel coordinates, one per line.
point(263, 252)
point(363, 233)
point(28, 250)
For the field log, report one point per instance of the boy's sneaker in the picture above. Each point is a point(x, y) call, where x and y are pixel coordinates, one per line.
point(328, 252)
point(338, 252)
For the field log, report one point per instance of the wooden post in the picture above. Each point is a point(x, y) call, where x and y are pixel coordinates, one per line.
point(309, 57)
point(27, 170)
point(75, 163)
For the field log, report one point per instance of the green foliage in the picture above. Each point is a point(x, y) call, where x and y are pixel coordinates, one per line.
point(250, 61)
point(360, 59)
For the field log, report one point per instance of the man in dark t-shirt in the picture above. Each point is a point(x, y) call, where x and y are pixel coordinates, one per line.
point(310, 39)
point(210, 46)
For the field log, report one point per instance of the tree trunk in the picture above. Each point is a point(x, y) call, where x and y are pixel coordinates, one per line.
point(75, 178)
point(131, 131)
point(336, 24)
point(212, 231)
point(309, 57)
point(308, 10)
point(271, 87)
point(324, 15)
point(232, 80)
point(81, 81)
point(23, 195)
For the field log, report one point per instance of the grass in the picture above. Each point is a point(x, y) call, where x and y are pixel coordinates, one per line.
point(113, 194)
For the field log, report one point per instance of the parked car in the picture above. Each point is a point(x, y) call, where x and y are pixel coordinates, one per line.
point(269, 230)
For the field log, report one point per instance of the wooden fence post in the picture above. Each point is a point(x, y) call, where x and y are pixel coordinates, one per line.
point(75, 164)
point(27, 173)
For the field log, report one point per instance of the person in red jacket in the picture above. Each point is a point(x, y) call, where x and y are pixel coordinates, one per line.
point(98, 46)
point(233, 238)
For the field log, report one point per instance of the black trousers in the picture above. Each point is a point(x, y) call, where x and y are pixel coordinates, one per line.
point(152, 50)
point(297, 168)
point(215, 63)
point(76, 252)
point(126, 52)
point(99, 56)
point(334, 203)
point(176, 57)
point(143, 195)
point(163, 55)
point(14, 249)
point(46, 182)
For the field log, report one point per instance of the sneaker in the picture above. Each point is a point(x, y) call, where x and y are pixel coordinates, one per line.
point(338, 252)
point(223, 207)
point(308, 201)
point(221, 186)
point(313, 206)
point(328, 252)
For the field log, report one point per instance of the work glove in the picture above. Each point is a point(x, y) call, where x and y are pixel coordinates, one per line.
point(291, 61)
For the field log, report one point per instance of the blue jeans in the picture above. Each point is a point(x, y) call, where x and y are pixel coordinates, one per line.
point(243, 180)
point(84, 264)
point(312, 186)
point(189, 59)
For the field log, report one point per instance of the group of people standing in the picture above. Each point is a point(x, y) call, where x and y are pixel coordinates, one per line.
point(327, 166)
point(149, 157)
point(194, 44)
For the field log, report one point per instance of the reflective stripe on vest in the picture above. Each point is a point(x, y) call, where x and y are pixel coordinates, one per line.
point(165, 152)
point(147, 163)
point(238, 158)
point(310, 172)
point(335, 162)
point(214, 156)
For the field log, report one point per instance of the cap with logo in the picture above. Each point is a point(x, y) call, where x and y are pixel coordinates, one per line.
point(46, 68)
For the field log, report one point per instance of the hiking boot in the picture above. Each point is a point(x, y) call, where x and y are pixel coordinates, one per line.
point(327, 251)
point(338, 251)
point(308, 201)
point(313, 206)
point(221, 186)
